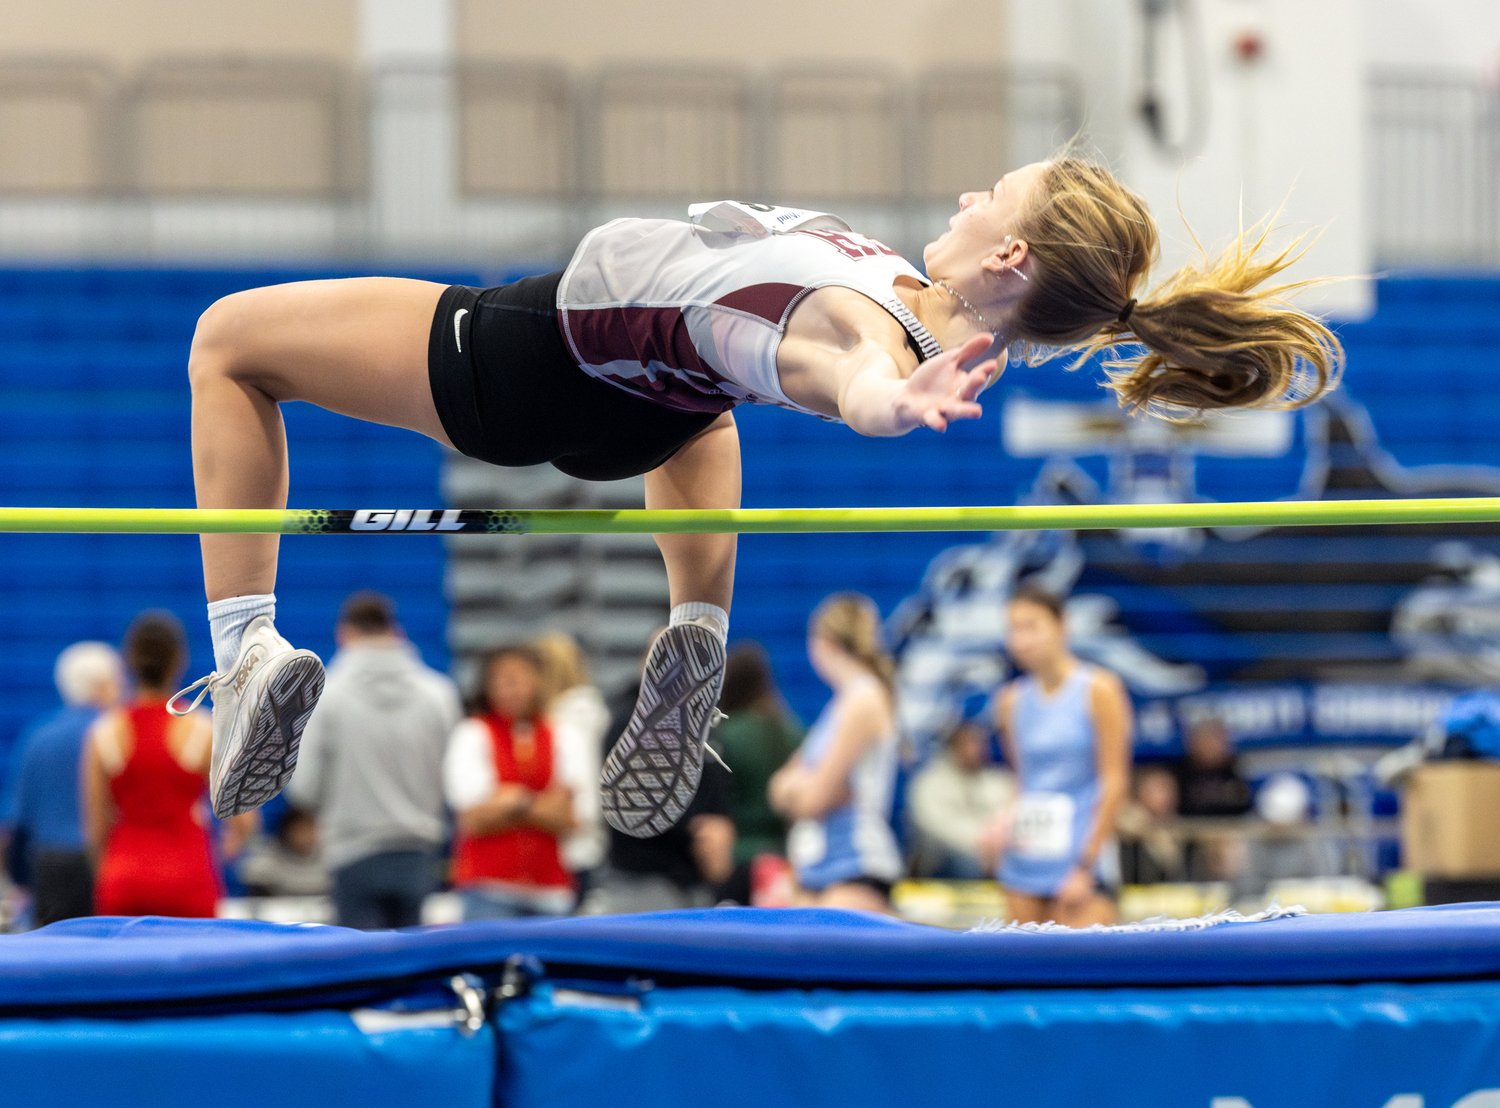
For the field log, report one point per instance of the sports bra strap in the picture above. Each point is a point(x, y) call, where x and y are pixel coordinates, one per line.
point(908, 320)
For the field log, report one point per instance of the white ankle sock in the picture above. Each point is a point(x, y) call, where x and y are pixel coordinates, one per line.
point(227, 620)
point(709, 615)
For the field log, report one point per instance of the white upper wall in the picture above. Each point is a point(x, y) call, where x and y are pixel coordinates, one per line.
point(1438, 34)
point(1287, 128)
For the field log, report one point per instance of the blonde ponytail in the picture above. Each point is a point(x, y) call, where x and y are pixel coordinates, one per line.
point(1213, 337)
point(851, 621)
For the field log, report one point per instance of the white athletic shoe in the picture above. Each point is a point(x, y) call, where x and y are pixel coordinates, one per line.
point(652, 774)
point(260, 708)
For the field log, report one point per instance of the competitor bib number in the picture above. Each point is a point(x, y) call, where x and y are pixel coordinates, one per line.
point(806, 843)
point(760, 220)
point(1044, 826)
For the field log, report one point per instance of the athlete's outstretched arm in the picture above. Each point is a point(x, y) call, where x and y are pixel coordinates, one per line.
point(875, 400)
point(844, 355)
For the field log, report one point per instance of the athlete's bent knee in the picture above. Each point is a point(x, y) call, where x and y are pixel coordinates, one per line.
point(214, 353)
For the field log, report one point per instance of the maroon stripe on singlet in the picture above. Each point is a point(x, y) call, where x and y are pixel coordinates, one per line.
point(636, 334)
point(652, 337)
point(673, 393)
point(769, 301)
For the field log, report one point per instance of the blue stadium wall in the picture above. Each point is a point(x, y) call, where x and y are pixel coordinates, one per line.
point(94, 411)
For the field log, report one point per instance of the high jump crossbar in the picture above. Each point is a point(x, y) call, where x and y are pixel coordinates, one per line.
point(588, 521)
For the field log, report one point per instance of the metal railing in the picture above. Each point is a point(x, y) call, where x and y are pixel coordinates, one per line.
point(821, 133)
point(507, 109)
point(502, 158)
point(295, 127)
point(453, 161)
point(59, 127)
point(283, 127)
point(1434, 169)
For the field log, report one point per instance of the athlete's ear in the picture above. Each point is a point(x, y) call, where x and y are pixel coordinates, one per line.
point(1010, 254)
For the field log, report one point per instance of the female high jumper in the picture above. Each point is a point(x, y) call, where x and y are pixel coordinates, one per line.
point(630, 361)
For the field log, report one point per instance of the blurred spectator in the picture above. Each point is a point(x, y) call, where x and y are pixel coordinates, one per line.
point(839, 786)
point(1209, 783)
point(48, 845)
point(144, 778)
point(757, 739)
point(683, 866)
point(579, 718)
point(1151, 848)
point(951, 801)
point(1066, 727)
point(1288, 848)
point(286, 863)
point(504, 779)
point(371, 768)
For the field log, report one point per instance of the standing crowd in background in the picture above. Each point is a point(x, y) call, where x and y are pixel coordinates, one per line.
point(402, 790)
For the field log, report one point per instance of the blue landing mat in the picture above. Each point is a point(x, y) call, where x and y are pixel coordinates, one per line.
point(106, 961)
point(317, 1059)
point(1307, 1046)
point(1390, 1010)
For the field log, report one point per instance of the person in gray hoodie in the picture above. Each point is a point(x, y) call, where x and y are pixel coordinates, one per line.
point(371, 767)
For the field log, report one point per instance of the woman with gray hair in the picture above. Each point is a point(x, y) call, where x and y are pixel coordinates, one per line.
point(47, 850)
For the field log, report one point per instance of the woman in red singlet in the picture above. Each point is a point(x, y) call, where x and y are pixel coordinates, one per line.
point(501, 777)
point(144, 777)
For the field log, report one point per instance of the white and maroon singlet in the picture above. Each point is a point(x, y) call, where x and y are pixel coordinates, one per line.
point(689, 315)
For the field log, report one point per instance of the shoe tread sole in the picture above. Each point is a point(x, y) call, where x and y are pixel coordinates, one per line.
point(264, 762)
point(653, 772)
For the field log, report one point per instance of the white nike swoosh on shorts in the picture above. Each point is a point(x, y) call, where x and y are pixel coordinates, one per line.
point(458, 334)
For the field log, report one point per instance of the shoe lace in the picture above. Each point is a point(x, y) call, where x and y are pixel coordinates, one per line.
point(172, 708)
point(717, 718)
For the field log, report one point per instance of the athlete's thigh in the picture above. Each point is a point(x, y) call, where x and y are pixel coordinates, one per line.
point(356, 346)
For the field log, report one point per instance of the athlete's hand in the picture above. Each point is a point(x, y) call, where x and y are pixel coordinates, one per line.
point(941, 390)
point(1076, 888)
point(994, 837)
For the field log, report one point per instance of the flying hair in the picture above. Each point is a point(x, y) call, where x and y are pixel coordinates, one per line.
point(1214, 334)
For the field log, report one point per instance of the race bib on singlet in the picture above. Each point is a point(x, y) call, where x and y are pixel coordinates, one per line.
point(759, 220)
point(806, 843)
point(1044, 826)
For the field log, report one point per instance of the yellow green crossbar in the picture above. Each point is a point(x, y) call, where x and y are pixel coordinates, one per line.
point(584, 521)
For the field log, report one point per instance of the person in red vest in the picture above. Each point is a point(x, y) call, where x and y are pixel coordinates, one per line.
point(144, 776)
point(503, 781)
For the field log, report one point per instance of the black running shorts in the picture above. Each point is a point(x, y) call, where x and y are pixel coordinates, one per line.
point(508, 392)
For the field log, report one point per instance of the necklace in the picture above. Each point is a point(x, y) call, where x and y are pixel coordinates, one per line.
point(946, 287)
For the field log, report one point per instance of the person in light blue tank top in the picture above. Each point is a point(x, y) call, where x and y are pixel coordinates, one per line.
point(839, 785)
point(1066, 727)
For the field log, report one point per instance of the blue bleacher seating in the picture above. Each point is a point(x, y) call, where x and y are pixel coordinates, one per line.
point(94, 411)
